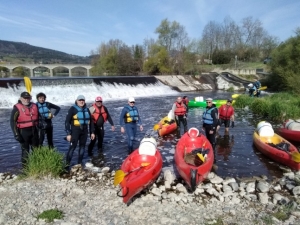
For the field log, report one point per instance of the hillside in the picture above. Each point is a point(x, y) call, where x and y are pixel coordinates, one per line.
point(18, 52)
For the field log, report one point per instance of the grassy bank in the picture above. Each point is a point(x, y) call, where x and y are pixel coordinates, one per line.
point(277, 107)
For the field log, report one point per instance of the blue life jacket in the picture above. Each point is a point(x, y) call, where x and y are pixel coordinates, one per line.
point(44, 110)
point(132, 115)
point(207, 118)
point(82, 117)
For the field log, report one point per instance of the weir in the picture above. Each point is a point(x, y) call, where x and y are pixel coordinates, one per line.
point(63, 91)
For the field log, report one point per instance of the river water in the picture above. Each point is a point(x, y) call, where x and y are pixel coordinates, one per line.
point(236, 156)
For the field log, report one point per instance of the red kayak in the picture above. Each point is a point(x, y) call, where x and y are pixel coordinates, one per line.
point(292, 135)
point(167, 129)
point(278, 149)
point(139, 176)
point(188, 164)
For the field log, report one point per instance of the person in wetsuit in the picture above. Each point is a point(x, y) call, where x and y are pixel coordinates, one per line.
point(210, 121)
point(78, 125)
point(180, 110)
point(99, 115)
point(130, 119)
point(24, 122)
point(46, 116)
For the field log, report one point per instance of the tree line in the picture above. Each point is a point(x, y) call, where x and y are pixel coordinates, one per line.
point(173, 52)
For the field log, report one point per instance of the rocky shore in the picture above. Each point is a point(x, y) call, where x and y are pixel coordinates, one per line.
point(87, 196)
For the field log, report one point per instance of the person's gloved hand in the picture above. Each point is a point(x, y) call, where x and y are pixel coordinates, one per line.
point(232, 124)
point(19, 138)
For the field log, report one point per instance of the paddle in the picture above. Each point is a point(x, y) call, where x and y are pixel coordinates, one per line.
point(28, 85)
point(120, 174)
point(156, 127)
point(201, 157)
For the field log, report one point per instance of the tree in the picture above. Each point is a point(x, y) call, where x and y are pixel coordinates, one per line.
point(285, 65)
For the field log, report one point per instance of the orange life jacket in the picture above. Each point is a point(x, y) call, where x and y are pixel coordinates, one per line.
point(180, 109)
point(225, 112)
point(99, 112)
point(28, 116)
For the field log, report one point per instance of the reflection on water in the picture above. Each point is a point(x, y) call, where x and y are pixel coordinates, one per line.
point(224, 145)
point(235, 154)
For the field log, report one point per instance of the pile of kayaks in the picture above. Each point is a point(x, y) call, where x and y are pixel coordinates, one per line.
point(166, 125)
point(193, 158)
point(200, 102)
point(275, 146)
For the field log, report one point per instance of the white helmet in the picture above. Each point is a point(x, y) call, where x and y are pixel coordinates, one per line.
point(250, 85)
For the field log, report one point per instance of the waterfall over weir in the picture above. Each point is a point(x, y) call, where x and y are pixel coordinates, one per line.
point(63, 91)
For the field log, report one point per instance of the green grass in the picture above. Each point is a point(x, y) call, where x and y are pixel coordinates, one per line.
point(277, 107)
point(43, 162)
point(50, 215)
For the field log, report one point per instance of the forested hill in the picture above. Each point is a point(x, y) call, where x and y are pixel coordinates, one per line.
point(18, 52)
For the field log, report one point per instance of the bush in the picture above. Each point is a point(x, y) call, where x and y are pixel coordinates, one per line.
point(50, 215)
point(43, 162)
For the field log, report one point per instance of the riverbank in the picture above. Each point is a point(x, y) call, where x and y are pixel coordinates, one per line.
point(87, 197)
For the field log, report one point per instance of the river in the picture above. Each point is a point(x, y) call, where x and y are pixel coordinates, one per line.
point(236, 156)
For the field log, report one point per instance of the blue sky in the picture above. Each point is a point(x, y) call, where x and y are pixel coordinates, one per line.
point(77, 26)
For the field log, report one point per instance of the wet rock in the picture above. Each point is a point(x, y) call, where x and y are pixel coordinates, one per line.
point(216, 180)
point(263, 198)
point(296, 190)
point(250, 187)
point(234, 186)
point(105, 170)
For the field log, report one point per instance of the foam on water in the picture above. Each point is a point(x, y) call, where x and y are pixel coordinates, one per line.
point(65, 94)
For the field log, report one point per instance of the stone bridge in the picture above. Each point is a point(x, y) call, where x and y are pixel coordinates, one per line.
point(50, 67)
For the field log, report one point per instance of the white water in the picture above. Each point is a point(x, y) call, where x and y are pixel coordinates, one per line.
point(65, 94)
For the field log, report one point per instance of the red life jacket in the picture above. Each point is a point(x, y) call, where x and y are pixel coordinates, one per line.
point(225, 112)
point(99, 112)
point(28, 116)
point(180, 109)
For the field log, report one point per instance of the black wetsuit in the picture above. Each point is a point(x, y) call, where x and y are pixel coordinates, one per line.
point(25, 136)
point(45, 125)
point(211, 126)
point(99, 132)
point(78, 133)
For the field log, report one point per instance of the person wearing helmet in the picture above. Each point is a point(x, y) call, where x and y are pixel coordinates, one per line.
point(130, 119)
point(257, 84)
point(46, 116)
point(252, 90)
point(99, 115)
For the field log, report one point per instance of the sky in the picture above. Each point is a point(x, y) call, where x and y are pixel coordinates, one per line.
point(78, 27)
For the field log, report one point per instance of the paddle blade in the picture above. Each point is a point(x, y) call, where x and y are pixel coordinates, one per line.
point(296, 156)
point(200, 156)
point(156, 127)
point(263, 88)
point(119, 176)
point(235, 95)
point(28, 85)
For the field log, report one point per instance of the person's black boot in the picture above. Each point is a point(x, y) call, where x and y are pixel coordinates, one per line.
point(90, 152)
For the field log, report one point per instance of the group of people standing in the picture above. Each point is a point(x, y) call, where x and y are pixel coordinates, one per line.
point(30, 122)
point(212, 117)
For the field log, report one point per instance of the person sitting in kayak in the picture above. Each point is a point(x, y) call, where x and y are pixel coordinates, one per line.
point(180, 111)
point(252, 90)
point(226, 114)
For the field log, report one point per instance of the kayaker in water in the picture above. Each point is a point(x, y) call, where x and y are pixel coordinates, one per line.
point(78, 124)
point(210, 121)
point(226, 114)
point(24, 122)
point(180, 110)
point(99, 115)
point(252, 90)
point(257, 84)
point(130, 119)
point(46, 116)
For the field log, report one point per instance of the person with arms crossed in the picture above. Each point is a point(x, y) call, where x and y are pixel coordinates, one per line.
point(46, 116)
